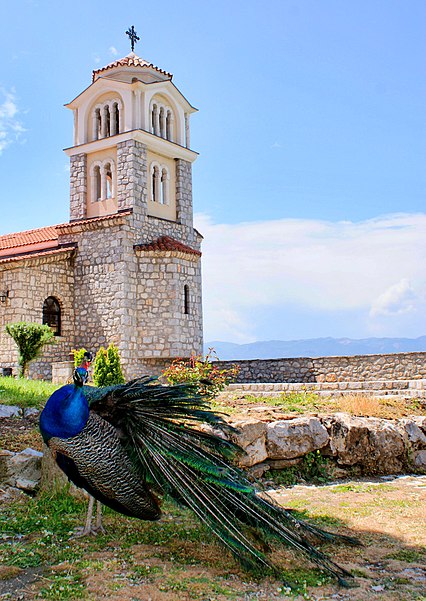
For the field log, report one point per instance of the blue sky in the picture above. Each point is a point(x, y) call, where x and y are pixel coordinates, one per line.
point(310, 187)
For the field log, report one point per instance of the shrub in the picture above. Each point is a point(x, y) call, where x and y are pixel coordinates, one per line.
point(207, 378)
point(78, 356)
point(30, 339)
point(107, 367)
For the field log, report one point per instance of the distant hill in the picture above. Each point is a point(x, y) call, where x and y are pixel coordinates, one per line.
point(315, 347)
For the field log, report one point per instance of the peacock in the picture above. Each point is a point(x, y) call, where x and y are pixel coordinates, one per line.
point(131, 445)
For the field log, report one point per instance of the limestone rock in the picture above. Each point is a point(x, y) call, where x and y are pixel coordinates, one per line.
point(296, 437)
point(251, 436)
point(412, 434)
point(21, 470)
point(419, 459)
point(376, 445)
point(10, 411)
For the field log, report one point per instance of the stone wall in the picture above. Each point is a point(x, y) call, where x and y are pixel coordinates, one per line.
point(78, 186)
point(362, 445)
point(30, 283)
point(359, 368)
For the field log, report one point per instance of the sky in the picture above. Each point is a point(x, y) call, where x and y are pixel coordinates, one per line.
point(310, 188)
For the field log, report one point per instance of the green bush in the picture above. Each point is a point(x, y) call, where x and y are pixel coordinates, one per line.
point(107, 367)
point(30, 339)
point(78, 356)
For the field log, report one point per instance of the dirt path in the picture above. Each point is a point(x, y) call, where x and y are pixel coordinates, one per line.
point(388, 515)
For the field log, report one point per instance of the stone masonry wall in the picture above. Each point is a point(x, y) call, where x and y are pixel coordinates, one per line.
point(162, 329)
point(184, 192)
point(78, 186)
point(30, 283)
point(359, 368)
point(132, 177)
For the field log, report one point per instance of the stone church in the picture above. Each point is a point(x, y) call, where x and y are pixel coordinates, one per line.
point(126, 268)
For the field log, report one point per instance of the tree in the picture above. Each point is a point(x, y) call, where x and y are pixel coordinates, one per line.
point(107, 367)
point(30, 338)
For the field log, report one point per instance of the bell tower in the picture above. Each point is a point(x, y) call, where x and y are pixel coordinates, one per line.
point(131, 144)
point(137, 258)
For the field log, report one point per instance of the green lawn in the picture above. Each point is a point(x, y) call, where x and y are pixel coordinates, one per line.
point(25, 393)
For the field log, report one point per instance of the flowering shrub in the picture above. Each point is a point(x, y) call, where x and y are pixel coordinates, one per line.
point(207, 378)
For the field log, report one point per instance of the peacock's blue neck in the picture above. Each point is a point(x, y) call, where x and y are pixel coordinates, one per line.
point(65, 414)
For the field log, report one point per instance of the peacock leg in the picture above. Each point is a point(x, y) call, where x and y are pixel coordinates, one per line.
point(88, 525)
point(98, 526)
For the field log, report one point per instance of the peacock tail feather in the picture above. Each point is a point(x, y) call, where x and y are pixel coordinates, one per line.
point(157, 427)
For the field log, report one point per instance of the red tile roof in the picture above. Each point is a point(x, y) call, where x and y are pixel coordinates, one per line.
point(30, 240)
point(45, 238)
point(166, 243)
point(131, 60)
point(36, 255)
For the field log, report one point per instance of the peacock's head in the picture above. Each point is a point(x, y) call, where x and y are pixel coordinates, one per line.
point(80, 376)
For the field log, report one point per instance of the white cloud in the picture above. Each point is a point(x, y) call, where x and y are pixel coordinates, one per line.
point(11, 127)
point(113, 51)
point(374, 268)
point(398, 299)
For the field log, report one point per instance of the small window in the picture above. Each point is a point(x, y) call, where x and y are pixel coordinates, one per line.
point(186, 300)
point(108, 174)
point(98, 187)
point(52, 315)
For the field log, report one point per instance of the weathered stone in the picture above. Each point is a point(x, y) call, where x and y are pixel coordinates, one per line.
point(10, 411)
point(359, 368)
point(412, 434)
point(374, 444)
point(23, 467)
point(419, 459)
point(296, 437)
point(251, 436)
point(31, 412)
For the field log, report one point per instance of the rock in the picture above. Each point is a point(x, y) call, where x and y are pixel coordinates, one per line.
point(257, 471)
point(5, 457)
point(296, 437)
point(412, 434)
point(21, 470)
point(31, 411)
point(251, 436)
point(374, 444)
point(10, 411)
point(419, 459)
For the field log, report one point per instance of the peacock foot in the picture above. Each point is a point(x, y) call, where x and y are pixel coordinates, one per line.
point(83, 531)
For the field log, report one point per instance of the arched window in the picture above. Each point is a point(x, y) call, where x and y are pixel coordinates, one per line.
point(52, 315)
point(97, 187)
point(164, 186)
point(108, 181)
point(115, 119)
point(169, 126)
point(97, 124)
point(155, 120)
point(155, 183)
point(162, 131)
point(106, 119)
point(186, 299)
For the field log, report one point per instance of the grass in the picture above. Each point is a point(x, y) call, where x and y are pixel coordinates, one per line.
point(25, 393)
point(309, 402)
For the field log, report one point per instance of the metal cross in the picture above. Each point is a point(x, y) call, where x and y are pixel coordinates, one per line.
point(133, 36)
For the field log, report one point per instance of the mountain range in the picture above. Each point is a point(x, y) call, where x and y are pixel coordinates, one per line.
point(315, 347)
